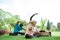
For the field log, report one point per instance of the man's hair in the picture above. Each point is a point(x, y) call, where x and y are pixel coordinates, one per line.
point(21, 25)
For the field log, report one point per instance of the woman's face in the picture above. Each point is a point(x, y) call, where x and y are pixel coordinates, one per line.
point(33, 23)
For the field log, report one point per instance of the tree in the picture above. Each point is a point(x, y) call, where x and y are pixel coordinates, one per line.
point(4, 15)
point(48, 25)
point(17, 17)
point(24, 22)
point(58, 26)
point(43, 23)
point(53, 28)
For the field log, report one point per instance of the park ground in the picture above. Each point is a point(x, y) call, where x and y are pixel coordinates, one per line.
point(55, 36)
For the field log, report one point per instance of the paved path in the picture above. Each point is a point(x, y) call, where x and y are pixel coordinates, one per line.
point(55, 33)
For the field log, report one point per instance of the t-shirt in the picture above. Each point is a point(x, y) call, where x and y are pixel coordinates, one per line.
point(35, 29)
point(29, 29)
point(17, 28)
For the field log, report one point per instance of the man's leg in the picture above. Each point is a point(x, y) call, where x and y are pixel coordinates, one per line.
point(13, 34)
point(21, 33)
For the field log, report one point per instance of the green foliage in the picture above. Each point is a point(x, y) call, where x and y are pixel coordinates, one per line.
point(48, 25)
point(7, 18)
point(58, 26)
point(4, 15)
point(1, 23)
point(4, 27)
point(17, 17)
point(43, 23)
point(1, 28)
point(11, 21)
point(38, 26)
point(24, 22)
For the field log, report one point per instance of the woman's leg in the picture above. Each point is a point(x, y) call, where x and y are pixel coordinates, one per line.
point(37, 34)
point(28, 36)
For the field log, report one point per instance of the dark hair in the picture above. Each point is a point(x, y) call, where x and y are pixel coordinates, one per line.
point(33, 16)
point(21, 25)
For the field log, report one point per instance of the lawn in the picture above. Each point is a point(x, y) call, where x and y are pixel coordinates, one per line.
point(7, 37)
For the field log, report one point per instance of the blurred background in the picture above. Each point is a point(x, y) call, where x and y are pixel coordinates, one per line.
point(48, 17)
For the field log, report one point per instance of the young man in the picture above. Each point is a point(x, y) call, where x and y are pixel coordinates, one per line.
point(17, 29)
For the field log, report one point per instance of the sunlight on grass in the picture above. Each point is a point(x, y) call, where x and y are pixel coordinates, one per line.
point(55, 33)
point(7, 37)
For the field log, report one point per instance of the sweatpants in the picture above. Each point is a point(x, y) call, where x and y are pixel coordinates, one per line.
point(16, 33)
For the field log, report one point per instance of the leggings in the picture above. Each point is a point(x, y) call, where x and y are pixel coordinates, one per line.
point(28, 36)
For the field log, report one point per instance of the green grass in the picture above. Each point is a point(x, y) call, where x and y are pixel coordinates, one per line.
point(7, 37)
